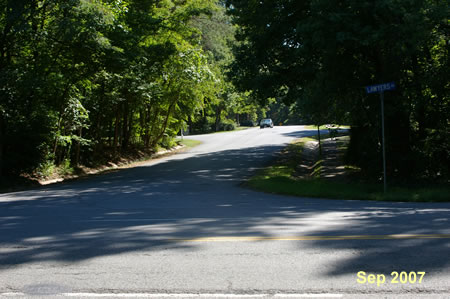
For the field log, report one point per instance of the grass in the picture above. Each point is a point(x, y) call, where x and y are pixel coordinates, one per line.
point(243, 128)
point(272, 182)
point(189, 142)
point(280, 178)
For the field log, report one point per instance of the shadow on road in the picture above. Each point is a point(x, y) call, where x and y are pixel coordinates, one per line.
point(303, 133)
point(147, 208)
point(385, 256)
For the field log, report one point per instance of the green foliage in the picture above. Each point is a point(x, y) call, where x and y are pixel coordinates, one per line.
point(82, 77)
point(320, 55)
point(278, 183)
point(168, 142)
point(227, 125)
point(65, 168)
point(190, 143)
point(46, 169)
point(224, 106)
point(281, 178)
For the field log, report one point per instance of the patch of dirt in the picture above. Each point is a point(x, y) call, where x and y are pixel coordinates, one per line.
point(333, 166)
point(329, 165)
point(308, 158)
point(127, 160)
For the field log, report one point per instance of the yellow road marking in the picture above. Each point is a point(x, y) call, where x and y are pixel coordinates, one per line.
point(314, 238)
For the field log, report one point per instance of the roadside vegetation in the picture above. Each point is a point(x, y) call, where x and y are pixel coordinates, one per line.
point(310, 61)
point(53, 174)
point(189, 142)
point(302, 171)
point(88, 81)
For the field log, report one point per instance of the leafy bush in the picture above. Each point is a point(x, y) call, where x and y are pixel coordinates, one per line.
point(248, 123)
point(227, 125)
point(168, 142)
point(65, 168)
point(46, 169)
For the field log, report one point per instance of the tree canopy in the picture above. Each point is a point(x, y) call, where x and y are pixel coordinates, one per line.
point(320, 54)
point(81, 77)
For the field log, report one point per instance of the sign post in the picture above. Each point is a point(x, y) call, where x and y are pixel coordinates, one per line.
point(382, 140)
point(381, 88)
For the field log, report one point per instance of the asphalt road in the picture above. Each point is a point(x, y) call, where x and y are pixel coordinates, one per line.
point(184, 225)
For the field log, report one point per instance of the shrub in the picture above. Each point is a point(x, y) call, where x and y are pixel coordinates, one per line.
point(248, 123)
point(168, 142)
point(65, 168)
point(227, 125)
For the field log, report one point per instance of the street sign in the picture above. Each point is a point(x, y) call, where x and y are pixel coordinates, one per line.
point(380, 87)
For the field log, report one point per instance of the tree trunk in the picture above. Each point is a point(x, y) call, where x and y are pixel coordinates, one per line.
point(5, 55)
point(98, 123)
point(2, 136)
point(116, 130)
point(320, 144)
point(125, 127)
point(55, 146)
point(217, 122)
point(110, 133)
point(77, 154)
point(166, 121)
point(142, 125)
point(152, 125)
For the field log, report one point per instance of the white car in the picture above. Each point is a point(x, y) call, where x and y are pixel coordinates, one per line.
point(266, 122)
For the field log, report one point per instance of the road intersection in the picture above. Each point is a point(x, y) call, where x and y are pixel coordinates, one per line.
point(184, 225)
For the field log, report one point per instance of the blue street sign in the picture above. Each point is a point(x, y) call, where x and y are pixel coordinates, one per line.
point(380, 87)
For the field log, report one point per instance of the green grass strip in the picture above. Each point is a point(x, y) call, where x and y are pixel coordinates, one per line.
point(279, 179)
point(189, 142)
point(283, 184)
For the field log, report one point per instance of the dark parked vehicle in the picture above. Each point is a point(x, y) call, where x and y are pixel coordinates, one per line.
point(266, 122)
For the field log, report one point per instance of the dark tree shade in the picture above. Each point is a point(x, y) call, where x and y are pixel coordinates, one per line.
point(322, 53)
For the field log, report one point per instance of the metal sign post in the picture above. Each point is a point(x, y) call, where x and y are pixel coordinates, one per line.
point(381, 88)
point(382, 140)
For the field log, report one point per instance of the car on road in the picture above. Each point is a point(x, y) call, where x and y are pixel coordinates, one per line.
point(266, 122)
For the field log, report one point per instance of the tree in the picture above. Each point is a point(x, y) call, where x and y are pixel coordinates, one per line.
point(81, 78)
point(322, 53)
